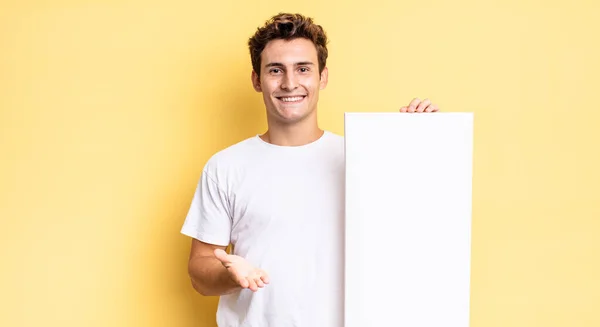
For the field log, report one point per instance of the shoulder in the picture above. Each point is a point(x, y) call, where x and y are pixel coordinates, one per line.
point(334, 137)
point(332, 150)
point(235, 151)
point(231, 156)
point(334, 141)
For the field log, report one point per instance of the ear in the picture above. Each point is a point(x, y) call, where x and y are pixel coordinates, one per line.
point(256, 81)
point(324, 78)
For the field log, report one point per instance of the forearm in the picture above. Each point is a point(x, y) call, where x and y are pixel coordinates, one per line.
point(209, 277)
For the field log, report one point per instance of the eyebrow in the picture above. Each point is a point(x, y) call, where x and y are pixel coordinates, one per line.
point(278, 64)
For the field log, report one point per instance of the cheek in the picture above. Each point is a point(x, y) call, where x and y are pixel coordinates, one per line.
point(270, 86)
point(316, 83)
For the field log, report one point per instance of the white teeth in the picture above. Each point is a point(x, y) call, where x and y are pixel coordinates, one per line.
point(291, 99)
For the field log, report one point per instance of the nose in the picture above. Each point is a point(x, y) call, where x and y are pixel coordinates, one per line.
point(289, 82)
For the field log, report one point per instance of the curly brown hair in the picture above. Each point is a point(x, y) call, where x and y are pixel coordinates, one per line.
point(288, 26)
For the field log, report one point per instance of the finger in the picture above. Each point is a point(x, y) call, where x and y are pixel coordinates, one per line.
point(264, 277)
point(222, 256)
point(423, 105)
point(412, 106)
point(404, 109)
point(252, 284)
point(432, 108)
point(259, 282)
point(243, 282)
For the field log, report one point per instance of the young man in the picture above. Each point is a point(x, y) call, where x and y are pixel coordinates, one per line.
point(277, 198)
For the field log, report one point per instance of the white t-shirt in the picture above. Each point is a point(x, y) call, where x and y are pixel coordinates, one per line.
point(282, 208)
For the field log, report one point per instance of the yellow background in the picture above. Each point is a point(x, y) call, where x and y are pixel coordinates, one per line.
point(109, 110)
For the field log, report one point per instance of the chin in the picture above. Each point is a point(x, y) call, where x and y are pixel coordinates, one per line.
point(291, 118)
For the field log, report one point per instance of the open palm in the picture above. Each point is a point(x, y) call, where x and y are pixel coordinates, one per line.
point(242, 272)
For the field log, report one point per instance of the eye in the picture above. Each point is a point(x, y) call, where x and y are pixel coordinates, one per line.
point(304, 69)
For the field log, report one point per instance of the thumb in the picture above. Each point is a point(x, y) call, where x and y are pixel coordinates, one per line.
point(222, 256)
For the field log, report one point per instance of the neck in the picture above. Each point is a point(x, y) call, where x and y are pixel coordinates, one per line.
point(297, 134)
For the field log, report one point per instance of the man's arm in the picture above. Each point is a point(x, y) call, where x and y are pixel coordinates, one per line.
point(207, 273)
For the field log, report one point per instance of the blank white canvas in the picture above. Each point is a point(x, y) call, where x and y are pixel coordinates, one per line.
point(408, 219)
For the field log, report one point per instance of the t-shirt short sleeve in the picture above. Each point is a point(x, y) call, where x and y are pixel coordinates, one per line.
point(208, 219)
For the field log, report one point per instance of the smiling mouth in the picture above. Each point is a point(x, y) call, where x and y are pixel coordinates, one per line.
point(293, 99)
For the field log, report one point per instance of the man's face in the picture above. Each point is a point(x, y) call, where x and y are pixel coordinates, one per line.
point(290, 79)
